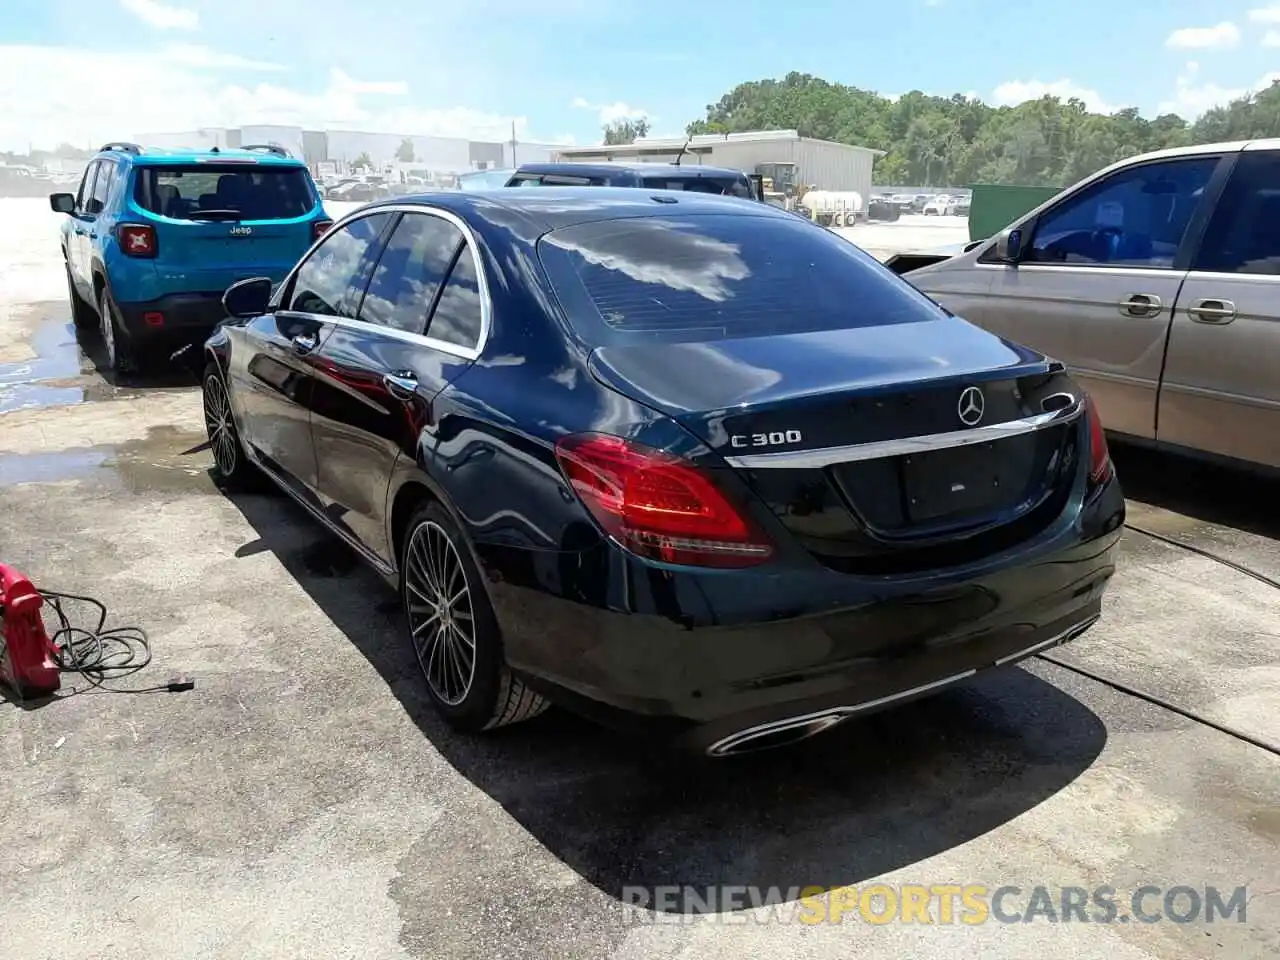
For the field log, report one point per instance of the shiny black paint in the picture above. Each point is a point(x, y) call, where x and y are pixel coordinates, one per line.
point(700, 653)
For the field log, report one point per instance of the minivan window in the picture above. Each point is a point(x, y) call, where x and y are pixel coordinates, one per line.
point(1135, 217)
point(409, 272)
point(710, 277)
point(1243, 235)
point(226, 191)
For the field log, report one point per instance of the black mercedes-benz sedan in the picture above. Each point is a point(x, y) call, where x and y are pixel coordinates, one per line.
point(682, 463)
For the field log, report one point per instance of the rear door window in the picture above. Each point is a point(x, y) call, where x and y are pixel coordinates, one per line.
point(329, 281)
point(225, 191)
point(1243, 235)
point(458, 316)
point(705, 278)
point(410, 270)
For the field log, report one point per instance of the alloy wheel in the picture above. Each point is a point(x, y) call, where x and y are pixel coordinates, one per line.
point(220, 426)
point(441, 616)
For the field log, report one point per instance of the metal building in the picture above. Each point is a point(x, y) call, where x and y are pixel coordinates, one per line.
point(820, 163)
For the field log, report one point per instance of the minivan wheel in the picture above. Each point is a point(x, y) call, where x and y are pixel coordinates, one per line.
point(454, 631)
point(120, 357)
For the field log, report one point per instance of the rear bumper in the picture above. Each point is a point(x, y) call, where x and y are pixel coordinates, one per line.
point(178, 316)
point(697, 657)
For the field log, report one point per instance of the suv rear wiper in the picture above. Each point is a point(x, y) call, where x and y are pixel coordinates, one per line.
point(218, 215)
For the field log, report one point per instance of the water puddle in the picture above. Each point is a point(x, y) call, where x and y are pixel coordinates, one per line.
point(166, 461)
point(49, 378)
point(25, 396)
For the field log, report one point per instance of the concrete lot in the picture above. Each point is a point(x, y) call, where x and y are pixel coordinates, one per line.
point(303, 801)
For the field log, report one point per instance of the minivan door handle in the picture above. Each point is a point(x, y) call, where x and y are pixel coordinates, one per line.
point(1212, 311)
point(305, 342)
point(1140, 305)
point(401, 383)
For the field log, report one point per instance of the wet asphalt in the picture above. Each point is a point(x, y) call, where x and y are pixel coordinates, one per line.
point(303, 801)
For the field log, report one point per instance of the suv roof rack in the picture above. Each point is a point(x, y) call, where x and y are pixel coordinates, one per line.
point(274, 148)
point(122, 146)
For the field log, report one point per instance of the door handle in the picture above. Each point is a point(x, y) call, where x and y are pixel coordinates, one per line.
point(401, 383)
point(1140, 305)
point(305, 342)
point(1212, 311)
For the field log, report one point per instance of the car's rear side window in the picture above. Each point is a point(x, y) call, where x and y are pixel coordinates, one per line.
point(727, 186)
point(709, 277)
point(247, 191)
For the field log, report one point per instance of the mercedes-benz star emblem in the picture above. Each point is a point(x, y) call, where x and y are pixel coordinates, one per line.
point(971, 406)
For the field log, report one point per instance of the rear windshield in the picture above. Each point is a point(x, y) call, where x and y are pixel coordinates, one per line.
point(225, 192)
point(704, 278)
point(728, 186)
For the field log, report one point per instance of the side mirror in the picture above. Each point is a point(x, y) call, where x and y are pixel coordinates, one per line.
point(62, 202)
point(247, 298)
point(1009, 245)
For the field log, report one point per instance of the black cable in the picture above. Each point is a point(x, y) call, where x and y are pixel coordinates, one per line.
point(1160, 701)
point(100, 654)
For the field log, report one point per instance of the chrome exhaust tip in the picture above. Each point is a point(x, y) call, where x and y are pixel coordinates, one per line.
point(780, 733)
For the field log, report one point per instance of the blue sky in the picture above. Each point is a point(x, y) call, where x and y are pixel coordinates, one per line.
point(83, 70)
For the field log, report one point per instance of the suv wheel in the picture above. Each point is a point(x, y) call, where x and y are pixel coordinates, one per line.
point(454, 631)
point(117, 347)
point(81, 313)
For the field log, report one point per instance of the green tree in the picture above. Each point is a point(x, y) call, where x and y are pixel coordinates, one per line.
point(362, 162)
point(626, 131)
point(405, 151)
point(959, 140)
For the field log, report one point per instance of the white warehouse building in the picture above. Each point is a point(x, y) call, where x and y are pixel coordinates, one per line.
point(820, 163)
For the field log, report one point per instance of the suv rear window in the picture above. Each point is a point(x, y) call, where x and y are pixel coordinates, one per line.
point(705, 278)
point(226, 192)
point(726, 186)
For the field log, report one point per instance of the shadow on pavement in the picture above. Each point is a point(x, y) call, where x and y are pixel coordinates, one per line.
point(873, 796)
point(1204, 491)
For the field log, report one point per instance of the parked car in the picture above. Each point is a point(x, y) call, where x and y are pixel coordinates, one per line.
point(883, 208)
point(1155, 280)
point(940, 206)
point(962, 206)
point(153, 238)
point(686, 465)
point(653, 176)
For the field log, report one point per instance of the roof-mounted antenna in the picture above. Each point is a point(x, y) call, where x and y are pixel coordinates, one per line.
point(676, 162)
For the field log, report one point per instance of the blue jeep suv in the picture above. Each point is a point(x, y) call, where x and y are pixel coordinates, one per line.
point(153, 239)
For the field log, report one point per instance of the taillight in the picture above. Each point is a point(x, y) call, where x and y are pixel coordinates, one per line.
point(658, 505)
point(1099, 455)
point(137, 239)
point(319, 227)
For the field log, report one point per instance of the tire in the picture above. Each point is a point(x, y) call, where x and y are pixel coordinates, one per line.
point(118, 349)
point(231, 468)
point(82, 314)
point(472, 693)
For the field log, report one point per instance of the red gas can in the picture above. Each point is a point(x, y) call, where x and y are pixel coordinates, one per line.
point(26, 653)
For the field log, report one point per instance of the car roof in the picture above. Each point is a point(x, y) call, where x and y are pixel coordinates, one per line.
point(153, 156)
point(549, 208)
point(604, 169)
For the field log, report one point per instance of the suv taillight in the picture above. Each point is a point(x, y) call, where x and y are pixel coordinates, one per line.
point(319, 228)
point(137, 239)
point(1100, 467)
point(658, 505)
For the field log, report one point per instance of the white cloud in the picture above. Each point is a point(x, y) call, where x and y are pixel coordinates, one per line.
point(1014, 92)
point(162, 16)
point(1269, 14)
point(1220, 37)
point(612, 112)
point(56, 94)
point(1271, 38)
point(1192, 97)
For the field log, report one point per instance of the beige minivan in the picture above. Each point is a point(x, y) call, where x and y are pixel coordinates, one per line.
point(1157, 281)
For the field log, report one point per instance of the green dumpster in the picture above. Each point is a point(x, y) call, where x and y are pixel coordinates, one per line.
point(996, 205)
